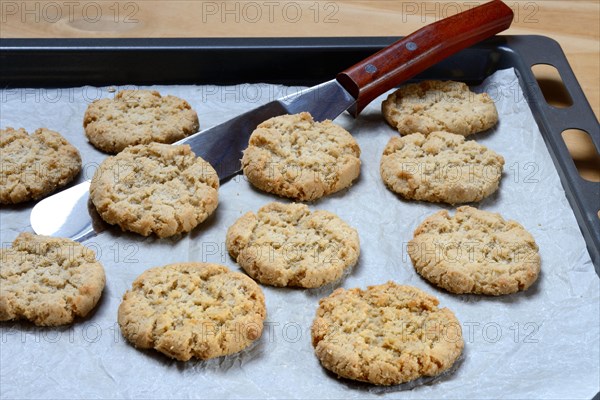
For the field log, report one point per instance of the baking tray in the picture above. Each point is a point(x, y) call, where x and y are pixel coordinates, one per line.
point(50, 63)
point(71, 63)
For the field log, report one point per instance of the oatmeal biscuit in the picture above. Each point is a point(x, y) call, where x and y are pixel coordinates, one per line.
point(155, 188)
point(288, 245)
point(192, 310)
point(441, 167)
point(138, 117)
point(475, 251)
point(33, 166)
point(431, 106)
point(294, 156)
point(48, 281)
point(386, 335)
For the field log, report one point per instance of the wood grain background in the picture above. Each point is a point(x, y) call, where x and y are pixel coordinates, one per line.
point(574, 24)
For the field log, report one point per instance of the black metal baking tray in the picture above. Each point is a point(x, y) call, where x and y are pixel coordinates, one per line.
point(307, 61)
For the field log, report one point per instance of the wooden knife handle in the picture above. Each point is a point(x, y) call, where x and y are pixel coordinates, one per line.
point(422, 49)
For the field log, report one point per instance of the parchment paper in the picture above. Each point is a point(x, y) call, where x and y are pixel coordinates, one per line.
point(543, 343)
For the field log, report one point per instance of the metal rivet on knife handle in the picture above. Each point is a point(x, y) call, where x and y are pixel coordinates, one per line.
point(370, 68)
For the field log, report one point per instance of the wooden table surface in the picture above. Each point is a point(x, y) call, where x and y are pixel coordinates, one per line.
point(574, 24)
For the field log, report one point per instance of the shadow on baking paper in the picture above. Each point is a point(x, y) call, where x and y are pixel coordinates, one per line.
point(485, 134)
point(513, 298)
point(210, 222)
point(239, 360)
point(424, 381)
point(101, 226)
point(313, 204)
point(328, 288)
point(369, 120)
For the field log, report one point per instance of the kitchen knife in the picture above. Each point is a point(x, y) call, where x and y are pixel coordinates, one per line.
point(68, 214)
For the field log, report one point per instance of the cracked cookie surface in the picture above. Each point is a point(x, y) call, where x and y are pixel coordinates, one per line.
point(288, 245)
point(386, 335)
point(475, 251)
point(35, 165)
point(48, 281)
point(155, 188)
point(431, 106)
point(293, 156)
point(440, 167)
point(138, 117)
point(192, 310)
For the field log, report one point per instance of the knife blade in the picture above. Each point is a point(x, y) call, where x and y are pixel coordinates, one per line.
point(69, 214)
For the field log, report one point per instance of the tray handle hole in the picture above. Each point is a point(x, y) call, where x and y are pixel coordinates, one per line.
point(552, 86)
point(584, 153)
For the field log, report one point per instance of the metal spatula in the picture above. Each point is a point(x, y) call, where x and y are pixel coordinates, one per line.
point(67, 214)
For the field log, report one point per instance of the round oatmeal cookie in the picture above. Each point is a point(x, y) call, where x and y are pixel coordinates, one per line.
point(287, 245)
point(385, 335)
point(48, 281)
point(294, 156)
point(33, 166)
point(155, 188)
point(475, 251)
point(192, 310)
point(138, 117)
point(431, 106)
point(441, 167)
